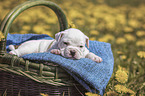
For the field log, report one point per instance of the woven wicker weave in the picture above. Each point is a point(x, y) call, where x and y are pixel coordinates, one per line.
point(24, 77)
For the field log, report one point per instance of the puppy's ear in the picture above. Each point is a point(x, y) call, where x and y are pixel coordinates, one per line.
point(87, 41)
point(59, 35)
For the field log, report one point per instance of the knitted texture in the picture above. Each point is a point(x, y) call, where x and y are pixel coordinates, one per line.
point(93, 76)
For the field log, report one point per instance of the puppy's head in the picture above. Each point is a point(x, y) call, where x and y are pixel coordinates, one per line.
point(72, 42)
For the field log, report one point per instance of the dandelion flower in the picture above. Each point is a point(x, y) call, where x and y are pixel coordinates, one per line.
point(93, 38)
point(120, 40)
point(128, 29)
point(123, 57)
point(103, 40)
point(91, 94)
point(72, 25)
point(75, 14)
point(111, 93)
point(109, 37)
point(106, 38)
point(38, 29)
point(132, 93)
point(134, 23)
point(26, 27)
point(141, 54)
point(25, 18)
point(94, 32)
point(80, 22)
point(123, 89)
point(92, 20)
point(140, 33)
point(48, 33)
point(130, 37)
point(120, 88)
point(119, 52)
point(141, 43)
point(121, 76)
point(24, 32)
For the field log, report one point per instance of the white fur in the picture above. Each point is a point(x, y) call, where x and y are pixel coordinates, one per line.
point(69, 43)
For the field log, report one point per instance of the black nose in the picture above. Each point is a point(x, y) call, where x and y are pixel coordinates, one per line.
point(72, 52)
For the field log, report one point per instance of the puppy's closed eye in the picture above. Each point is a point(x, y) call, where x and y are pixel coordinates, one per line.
point(65, 43)
point(81, 46)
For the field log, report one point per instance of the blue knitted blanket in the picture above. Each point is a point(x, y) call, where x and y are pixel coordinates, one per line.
point(91, 75)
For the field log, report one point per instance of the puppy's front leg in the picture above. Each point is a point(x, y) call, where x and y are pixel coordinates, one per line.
point(55, 51)
point(94, 57)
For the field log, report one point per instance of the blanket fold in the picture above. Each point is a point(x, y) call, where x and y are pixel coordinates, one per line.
point(91, 75)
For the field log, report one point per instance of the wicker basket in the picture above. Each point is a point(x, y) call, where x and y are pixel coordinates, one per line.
point(26, 78)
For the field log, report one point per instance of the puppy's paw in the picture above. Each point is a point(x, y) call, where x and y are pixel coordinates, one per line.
point(12, 53)
point(94, 57)
point(55, 51)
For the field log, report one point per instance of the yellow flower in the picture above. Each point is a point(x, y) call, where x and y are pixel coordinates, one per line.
point(47, 32)
point(24, 32)
point(121, 76)
point(120, 88)
point(80, 22)
point(123, 69)
point(123, 89)
point(26, 27)
point(121, 19)
point(93, 38)
point(141, 43)
point(120, 40)
point(106, 38)
point(128, 29)
point(94, 32)
point(91, 20)
point(129, 37)
point(109, 36)
point(75, 14)
point(134, 23)
point(132, 93)
point(140, 33)
point(25, 18)
point(38, 29)
point(119, 52)
point(51, 20)
point(103, 40)
point(123, 57)
point(71, 25)
point(111, 93)
point(91, 94)
point(141, 54)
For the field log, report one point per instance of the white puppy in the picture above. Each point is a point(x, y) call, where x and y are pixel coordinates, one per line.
point(69, 43)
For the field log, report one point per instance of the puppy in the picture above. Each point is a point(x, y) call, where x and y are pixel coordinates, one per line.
point(69, 43)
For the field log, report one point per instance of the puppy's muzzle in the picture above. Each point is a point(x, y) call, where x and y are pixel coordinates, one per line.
point(72, 52)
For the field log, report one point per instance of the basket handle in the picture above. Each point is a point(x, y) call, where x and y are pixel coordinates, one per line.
point(5, 26)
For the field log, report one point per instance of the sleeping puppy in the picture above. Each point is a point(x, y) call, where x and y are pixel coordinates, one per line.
point(69, 43)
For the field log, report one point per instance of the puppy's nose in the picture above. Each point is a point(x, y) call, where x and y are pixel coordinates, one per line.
point(72, 52)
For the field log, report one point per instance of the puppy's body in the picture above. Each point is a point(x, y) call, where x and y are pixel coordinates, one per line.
point(69, 43)
point(32, 46)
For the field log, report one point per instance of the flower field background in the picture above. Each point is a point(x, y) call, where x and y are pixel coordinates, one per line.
point(119, 22)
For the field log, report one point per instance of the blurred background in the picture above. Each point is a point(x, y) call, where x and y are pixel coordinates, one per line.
point(119, 22)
